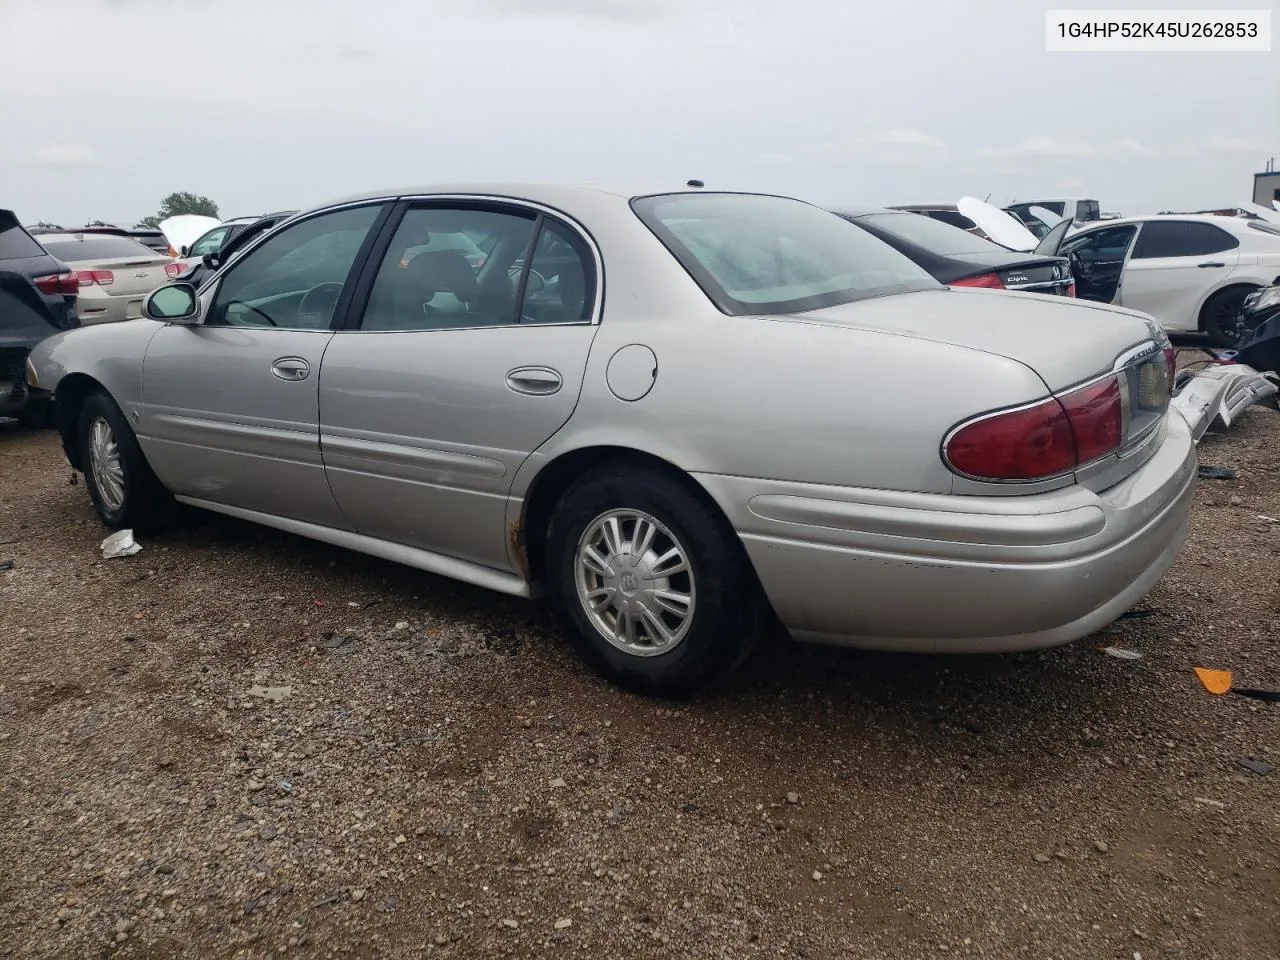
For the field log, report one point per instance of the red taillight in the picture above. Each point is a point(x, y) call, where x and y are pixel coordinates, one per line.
point(55, 283)
point(103, 278)
point(1045, 440)
point(1171, 362)
point(1024, 444)
point(989, 280)
point(1096, 417)
point(1071, 289)
point(172, 270)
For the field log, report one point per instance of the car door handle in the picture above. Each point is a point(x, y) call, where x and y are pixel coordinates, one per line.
point(1210, 264)
point(535, 381)
point(291, 368)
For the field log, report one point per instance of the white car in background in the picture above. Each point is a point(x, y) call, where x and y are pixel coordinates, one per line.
point(1190, 272)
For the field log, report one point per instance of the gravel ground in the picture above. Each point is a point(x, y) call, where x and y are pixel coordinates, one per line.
point(440, 777)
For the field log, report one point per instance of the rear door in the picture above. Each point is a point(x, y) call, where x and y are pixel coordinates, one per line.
point(1173, 265)
point(455, 370)
point(229, 412)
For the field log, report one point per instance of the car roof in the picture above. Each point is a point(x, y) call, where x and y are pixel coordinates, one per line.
point(550, 194)
point(1228, 223)
point(914, 207)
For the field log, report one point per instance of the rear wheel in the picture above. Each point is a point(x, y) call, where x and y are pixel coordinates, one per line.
point(651, 581)
point(1220, 316)
point(121, 484)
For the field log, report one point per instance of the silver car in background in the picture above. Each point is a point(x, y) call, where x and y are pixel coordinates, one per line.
point(114, 273)
point(679, 415)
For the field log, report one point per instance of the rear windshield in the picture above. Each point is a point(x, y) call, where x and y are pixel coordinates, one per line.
point(934, 235)
point(95, 247)
point(756, 254)
point(15, 242)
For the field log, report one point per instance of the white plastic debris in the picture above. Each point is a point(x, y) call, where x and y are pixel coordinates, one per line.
point(120, 544)
point(1120, 653)
point(274, 694)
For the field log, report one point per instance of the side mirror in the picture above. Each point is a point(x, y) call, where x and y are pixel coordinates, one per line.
point(175, 303)
point(210, 260)
point(182, 250)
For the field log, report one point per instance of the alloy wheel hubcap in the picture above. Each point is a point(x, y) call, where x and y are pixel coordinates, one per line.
point(635, 582)
point(104, 460)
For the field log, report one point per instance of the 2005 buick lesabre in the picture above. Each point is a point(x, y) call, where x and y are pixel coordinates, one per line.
point(678, 414)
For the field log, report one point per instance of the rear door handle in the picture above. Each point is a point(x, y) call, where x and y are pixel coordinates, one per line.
point(535, 381)
point(1210, 264)
point(291, 368)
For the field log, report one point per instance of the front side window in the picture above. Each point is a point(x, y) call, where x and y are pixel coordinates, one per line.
point(1107, 245)
point(755, 254)
point(1181, 238)
point(294, 279)
point(211, 242)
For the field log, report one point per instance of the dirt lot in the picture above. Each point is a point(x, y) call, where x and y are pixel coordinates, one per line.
point(445, 780)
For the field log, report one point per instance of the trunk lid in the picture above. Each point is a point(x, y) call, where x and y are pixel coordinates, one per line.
point(1001, 227)
point(131, 276)
point(1065, 341)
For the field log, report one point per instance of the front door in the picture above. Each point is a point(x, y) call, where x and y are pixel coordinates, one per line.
point(1097, 260)
point(1173, 263)
point(229, 409)
point(468, 355)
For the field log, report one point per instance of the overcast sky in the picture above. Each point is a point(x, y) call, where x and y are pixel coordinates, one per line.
point(108, 105)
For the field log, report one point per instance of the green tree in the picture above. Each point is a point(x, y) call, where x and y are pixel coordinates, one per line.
point(179, 203)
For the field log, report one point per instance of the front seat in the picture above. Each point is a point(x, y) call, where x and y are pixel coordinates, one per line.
point(430, 273)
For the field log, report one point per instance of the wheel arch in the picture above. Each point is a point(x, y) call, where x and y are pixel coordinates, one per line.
point(1229, 284)
point(528, 532)
point(68, 400)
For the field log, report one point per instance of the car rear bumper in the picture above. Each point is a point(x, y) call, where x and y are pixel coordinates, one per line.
point(962, 574)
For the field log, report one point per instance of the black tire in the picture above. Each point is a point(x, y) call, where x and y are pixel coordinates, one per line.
point(145, 503)
point(1220, 313)
point(728, 611)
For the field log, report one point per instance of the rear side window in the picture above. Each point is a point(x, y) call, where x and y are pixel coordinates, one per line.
point(95, 247)
point(1181, 238)
point(15, 242)
point(754, 254)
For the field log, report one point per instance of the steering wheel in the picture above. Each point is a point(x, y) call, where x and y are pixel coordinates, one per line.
point(315, 309)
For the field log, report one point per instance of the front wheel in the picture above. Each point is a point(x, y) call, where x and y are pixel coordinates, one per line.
point(1220, 316)
point(124, 490)
point(651, 581)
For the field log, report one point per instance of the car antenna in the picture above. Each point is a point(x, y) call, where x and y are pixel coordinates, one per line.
point(694, 183)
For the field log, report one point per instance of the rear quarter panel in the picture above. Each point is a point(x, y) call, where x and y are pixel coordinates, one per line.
point(785, 399)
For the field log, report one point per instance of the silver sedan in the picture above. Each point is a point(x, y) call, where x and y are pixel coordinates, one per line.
point(681, 415)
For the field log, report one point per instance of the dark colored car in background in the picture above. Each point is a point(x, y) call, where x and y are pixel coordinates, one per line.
point(37, 299)
point(1259, 323)
point(960, 258)
point(231, 245)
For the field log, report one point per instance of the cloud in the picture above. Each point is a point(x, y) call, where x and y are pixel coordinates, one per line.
point(1041, 147)
point(65, 155)
point(906, 137)
point(1044, 147)
point(615, 10)
point(1134, 148)
point(1231, 145)
point(779, 158)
